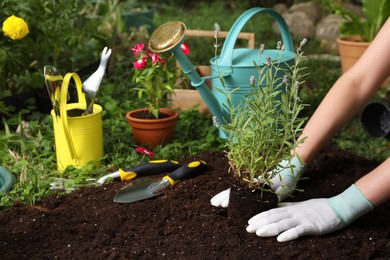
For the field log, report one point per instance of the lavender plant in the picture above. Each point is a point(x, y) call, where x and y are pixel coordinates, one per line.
point(265, 129)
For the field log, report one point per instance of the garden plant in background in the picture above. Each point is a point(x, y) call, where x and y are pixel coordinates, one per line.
point(357, 32)
point(376, 12)
point(153, 75)
point(15, 28)
point(48, 32)
point(264, 131)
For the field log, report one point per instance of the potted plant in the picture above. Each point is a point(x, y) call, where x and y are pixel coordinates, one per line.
point(262, 133)
point(357, 32)
point(154, 80)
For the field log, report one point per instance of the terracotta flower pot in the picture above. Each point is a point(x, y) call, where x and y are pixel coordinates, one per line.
point(152, 132)
point(351, 49)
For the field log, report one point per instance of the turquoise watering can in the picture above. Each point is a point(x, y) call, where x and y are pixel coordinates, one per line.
point(236, 66)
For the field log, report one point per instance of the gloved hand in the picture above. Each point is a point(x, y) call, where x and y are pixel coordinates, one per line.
point(283, 183)
point(311, 217)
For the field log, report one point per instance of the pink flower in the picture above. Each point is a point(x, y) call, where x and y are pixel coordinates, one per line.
point(141, 63)
point(185, 48)
point(156, 58)
point(138, 49)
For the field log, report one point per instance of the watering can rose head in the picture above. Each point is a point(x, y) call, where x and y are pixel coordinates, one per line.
point(155, 75)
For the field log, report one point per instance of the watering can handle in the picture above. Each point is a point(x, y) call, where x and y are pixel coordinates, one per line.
point(63, 107)
point(227, 50)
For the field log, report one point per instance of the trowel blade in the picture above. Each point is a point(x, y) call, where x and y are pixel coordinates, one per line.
point(135, 191)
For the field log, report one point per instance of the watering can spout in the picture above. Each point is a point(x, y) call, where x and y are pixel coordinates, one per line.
point(234, 65)
point(168, 38)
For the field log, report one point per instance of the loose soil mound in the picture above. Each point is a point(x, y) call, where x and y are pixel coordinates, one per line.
point(181, 224)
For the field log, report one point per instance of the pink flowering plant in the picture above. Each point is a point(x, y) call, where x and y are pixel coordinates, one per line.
point(154, 75)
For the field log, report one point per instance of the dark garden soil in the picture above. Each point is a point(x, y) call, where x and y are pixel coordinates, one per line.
point(181, 224)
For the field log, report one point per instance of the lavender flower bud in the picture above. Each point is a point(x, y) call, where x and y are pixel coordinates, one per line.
point(216, 34)
point(302, 43)
point(262, 46)
point(216, 122)
point(217, 27)
point(252, 80)
point(269, 60)
point(285, 79)
point(279, 45)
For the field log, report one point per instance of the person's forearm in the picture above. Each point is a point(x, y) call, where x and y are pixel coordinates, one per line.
point(341, 103)
point(348, 95)
point(376, 184)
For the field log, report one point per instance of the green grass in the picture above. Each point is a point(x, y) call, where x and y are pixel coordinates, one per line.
point(354, 138)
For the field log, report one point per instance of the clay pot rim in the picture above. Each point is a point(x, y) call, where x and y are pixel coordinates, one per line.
point(173, 115)
point(352, 40)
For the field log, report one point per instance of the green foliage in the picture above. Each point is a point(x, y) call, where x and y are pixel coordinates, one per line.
point(110, 18)
point(265, 129)
point(376, 13)
point(59, 36)
point(317, 82)
point(4, 110)
point(27, 154)
point(353, 138)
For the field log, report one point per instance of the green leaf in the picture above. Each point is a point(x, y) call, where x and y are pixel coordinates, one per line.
point(376, 11)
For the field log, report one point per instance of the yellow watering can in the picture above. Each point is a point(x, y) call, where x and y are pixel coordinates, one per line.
point(78, 137)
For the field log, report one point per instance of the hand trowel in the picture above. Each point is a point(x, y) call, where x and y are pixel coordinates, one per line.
point(145, 188)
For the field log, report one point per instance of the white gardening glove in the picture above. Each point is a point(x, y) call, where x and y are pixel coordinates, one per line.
point(283, 183)
point(221, 199)
point(311, 217)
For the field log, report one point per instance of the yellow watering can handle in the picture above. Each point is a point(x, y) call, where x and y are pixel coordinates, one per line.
point(63, 107)
point(57, 93)
point(53, 77)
